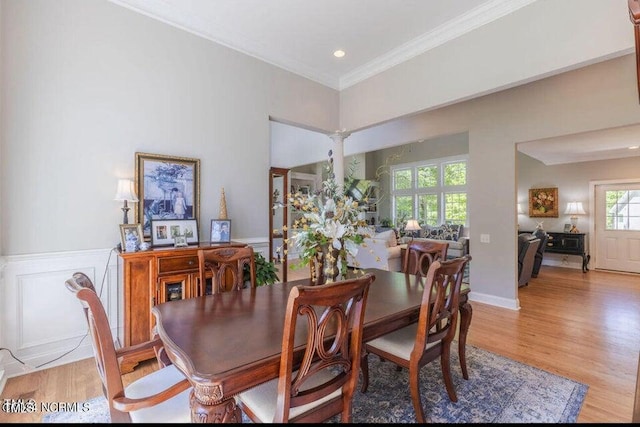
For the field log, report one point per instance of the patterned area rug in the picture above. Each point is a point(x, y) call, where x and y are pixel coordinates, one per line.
point(499, 390)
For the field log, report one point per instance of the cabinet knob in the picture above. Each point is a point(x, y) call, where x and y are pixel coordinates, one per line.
point(191, 262)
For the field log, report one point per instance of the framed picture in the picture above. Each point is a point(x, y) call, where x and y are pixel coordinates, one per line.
point(130, 237)
point(543, 203)
point(567, 228)
point(168, 188)
point(220, 231)
point(165, 232)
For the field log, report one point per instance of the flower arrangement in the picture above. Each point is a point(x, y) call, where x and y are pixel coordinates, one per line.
point(328, 228)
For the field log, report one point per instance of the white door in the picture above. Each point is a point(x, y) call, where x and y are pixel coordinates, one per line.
point(617, 227)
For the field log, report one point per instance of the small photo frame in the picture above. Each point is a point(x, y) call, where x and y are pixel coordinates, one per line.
point(165, 231)
point(220, 231)
point(180, 241)
point(567, 228)
point(130, 237)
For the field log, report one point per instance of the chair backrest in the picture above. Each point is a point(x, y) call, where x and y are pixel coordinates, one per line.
point(226, 265)
point(334, 315)
point(420, 254)
point(439, 309)
point(526, 258)
point(102, 340)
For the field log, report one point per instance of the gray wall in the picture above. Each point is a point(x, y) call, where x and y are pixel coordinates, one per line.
point(86, 84)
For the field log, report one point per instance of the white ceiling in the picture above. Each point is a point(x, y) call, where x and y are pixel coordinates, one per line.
point(301, 35)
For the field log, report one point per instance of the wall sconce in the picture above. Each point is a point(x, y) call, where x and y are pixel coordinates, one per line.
point(125, 193)
point(520, 210)
point(412, 226)
point(574, 209)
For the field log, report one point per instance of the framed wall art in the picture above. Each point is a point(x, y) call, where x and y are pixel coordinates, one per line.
point(543, 202)
point(166, 232)
point(220, 231)
point(130, 237)
point(168, 188)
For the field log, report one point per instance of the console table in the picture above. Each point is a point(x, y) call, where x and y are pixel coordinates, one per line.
point(152, 277)
point(569, 244)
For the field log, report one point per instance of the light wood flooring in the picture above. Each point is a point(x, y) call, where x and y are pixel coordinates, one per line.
point(585, 327)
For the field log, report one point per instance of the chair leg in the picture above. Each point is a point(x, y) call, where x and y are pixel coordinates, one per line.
point(465, 322)
point(364, 368)
point(445, 363)
point(414, 386)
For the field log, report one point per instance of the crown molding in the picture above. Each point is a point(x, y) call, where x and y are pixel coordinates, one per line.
point(465, 23)
point(227, 36)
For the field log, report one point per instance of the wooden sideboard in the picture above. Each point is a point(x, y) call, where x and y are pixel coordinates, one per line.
point(152, 277)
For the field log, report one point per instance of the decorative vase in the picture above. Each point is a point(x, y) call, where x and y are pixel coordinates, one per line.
point(325, 267)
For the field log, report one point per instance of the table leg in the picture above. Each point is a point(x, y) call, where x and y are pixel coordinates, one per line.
point(205, 410)
point(585, 262)
point(465, 322)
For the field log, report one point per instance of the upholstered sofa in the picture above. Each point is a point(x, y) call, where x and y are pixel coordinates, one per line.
point(380, 251)
point(450, 233)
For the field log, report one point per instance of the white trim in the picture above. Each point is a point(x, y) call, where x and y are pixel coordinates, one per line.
point(511, 304)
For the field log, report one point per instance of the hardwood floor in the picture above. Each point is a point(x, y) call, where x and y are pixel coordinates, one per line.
point(585, 327)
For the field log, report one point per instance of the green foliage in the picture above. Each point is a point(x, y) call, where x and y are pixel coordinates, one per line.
point(266, 271)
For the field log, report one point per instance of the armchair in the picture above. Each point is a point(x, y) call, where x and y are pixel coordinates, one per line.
point(527, 247)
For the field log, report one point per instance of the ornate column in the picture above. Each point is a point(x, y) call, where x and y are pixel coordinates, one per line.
point(338, 155)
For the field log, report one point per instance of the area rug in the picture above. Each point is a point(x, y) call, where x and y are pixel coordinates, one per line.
point(499, 390)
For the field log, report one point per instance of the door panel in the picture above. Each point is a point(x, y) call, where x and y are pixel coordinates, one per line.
point(617, 227)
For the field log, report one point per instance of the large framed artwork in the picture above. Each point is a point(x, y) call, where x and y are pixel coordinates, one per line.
point(168, 188)
point(543, 202)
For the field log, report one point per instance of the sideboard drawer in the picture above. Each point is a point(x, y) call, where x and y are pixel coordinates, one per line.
point(175, 264)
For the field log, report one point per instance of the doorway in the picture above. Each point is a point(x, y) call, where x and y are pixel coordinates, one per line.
point(617, 225)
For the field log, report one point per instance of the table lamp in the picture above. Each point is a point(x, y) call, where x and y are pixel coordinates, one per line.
point(574, 209)
point(412, 226)
point(126, 194)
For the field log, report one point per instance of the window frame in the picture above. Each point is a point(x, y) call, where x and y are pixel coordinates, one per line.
point(440, 190)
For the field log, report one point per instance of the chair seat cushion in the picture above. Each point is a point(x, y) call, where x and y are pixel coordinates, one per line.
point(174, 410)
point(262, 399)
point(399, 343)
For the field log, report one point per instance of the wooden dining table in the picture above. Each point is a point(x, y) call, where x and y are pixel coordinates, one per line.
point(230, 342)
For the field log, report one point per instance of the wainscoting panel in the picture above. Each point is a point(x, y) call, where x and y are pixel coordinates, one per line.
point(42, 322)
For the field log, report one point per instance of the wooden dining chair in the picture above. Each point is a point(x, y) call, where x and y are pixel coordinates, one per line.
point(160, 397)
point(420, 254)
point(414, 346)
point(318, 382)
point(226, 266)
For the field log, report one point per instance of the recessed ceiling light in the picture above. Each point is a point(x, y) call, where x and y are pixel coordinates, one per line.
point(634, 147)
point(338, 53)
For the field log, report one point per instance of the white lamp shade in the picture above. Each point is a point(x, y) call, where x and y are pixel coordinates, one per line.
point(126, 191)
point(575, 208)
point(412, 225)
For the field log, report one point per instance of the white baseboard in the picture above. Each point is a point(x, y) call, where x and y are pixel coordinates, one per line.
point(511, 304)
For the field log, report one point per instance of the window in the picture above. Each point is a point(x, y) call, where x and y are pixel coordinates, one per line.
point(623, 210)
point(434, 191)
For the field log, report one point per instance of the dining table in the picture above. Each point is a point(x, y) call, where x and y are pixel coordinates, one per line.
point(230, 342)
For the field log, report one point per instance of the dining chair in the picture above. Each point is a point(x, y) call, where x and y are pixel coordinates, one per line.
point(226, 265)
point(160, 397)
point(318, 382)
point(420, 254)
point(417, 344)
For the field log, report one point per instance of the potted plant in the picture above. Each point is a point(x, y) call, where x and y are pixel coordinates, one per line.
point(266, 271)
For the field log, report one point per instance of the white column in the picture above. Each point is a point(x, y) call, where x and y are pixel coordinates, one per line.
point(338, 155)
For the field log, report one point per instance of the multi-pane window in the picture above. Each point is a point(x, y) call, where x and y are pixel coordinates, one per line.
point(434, 192)
point(623, 209)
